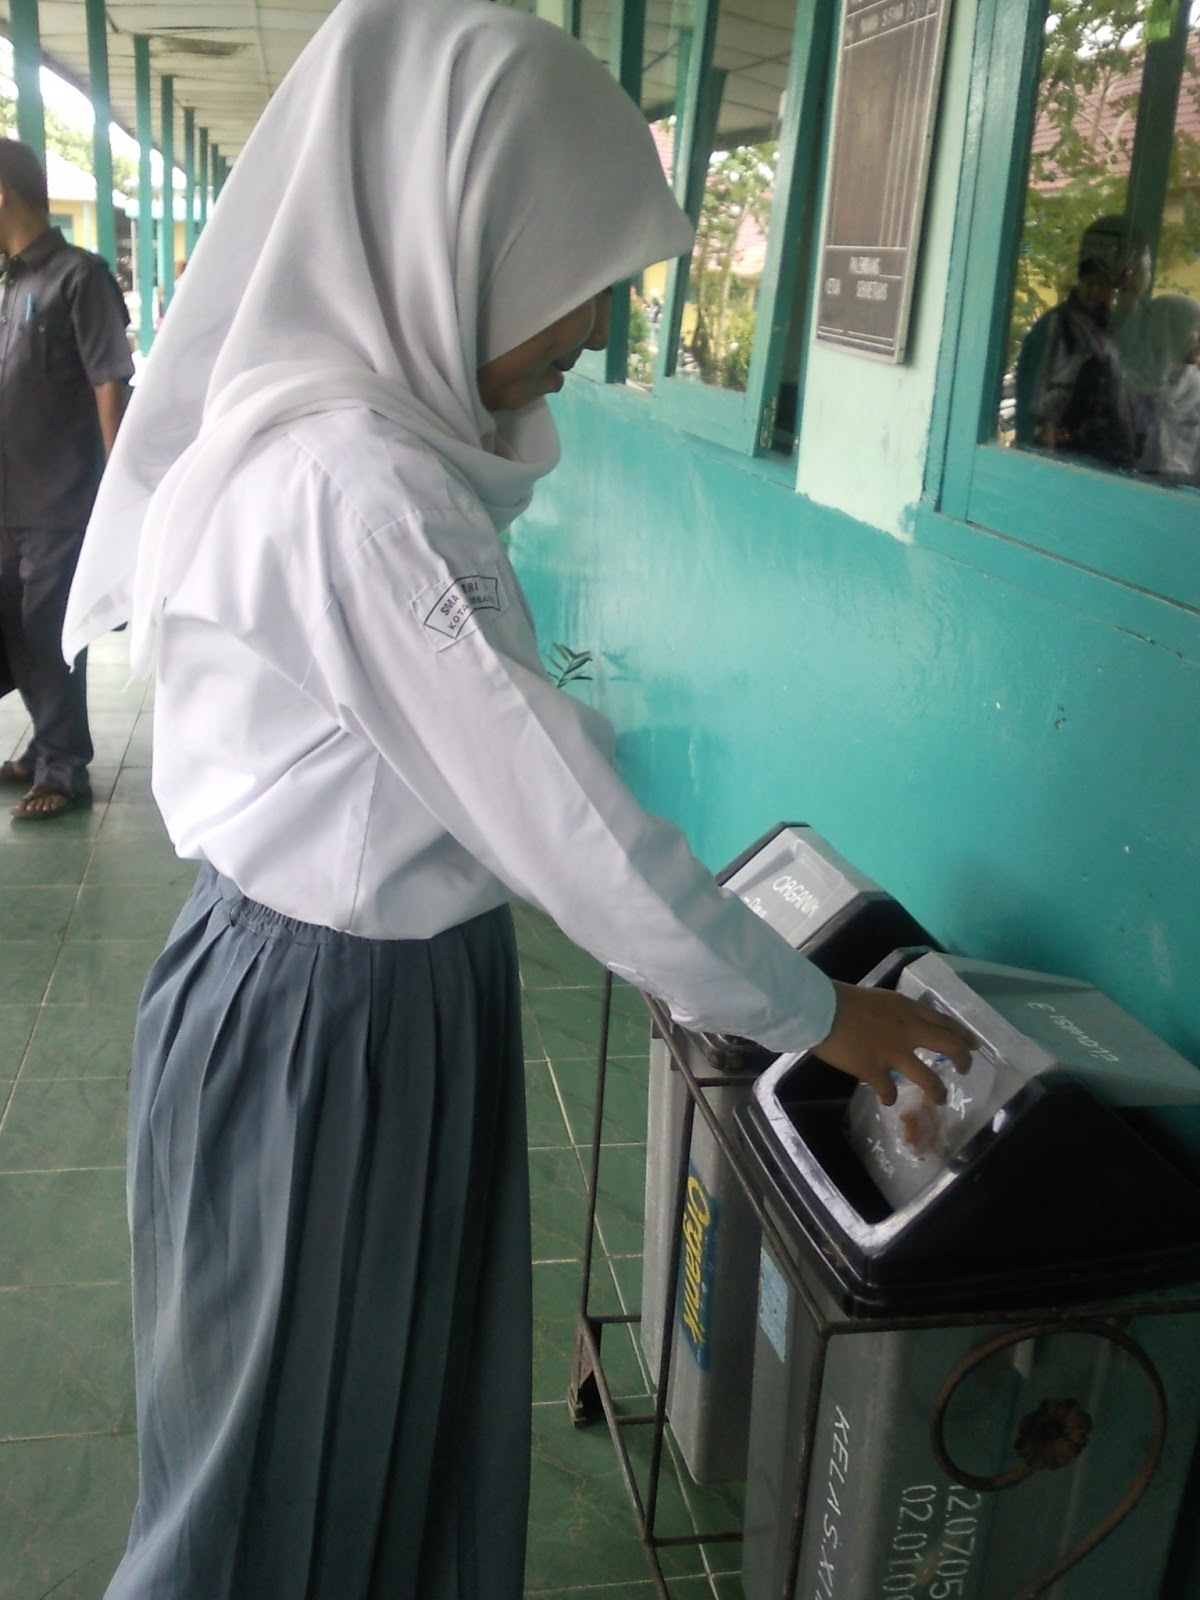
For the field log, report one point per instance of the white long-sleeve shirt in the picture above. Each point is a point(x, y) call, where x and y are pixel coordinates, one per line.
point(353, 723)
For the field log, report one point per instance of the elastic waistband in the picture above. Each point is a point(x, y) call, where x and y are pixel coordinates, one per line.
point(247, 913)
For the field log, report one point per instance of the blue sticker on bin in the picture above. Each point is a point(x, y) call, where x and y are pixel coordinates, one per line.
point(773, 1305)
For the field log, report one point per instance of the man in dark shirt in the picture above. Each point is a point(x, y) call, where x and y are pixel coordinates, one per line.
point(65, 364)
point(1070, 391)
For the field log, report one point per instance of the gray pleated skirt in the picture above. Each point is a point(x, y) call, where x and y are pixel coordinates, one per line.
point(328, 1199)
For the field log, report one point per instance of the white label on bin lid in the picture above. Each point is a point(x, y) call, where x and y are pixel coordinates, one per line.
point(773, 1304)
point(791, 886)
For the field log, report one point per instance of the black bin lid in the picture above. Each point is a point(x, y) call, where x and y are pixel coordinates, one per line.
point(1058, 1200)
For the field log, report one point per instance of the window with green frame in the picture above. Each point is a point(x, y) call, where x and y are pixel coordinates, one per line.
point(734, 91)
point(1076, 272)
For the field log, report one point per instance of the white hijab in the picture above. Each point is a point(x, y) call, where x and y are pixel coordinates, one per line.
point(1155, 341)
point(434, 182)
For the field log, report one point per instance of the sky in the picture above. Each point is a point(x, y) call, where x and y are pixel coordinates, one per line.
point(76, 108)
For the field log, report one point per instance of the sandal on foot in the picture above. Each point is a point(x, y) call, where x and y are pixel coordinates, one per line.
point(41, 804)
point(15, 775)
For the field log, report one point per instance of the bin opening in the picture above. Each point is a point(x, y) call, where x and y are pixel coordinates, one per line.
point(821, 1124)
point(1047, 1193)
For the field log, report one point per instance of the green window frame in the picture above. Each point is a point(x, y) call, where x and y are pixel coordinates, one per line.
point(746, 420)
point(742, 421)
point(1102, 523)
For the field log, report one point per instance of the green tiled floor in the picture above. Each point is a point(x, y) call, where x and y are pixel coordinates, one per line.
point(86, 902)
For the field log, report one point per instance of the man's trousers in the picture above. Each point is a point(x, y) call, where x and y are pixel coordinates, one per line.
point(36, 569)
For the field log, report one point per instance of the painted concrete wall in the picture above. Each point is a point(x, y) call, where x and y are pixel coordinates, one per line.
point(1019, 769)
point(1010, 750)
point(863, 442)
point(1023, 776)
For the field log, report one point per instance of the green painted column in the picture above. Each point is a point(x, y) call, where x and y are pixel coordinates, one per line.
point(214, 173)
point(166, 232)
point(203, 179)
point(27, 65)
point(102, 161)
point(627, 50)
point(628, 43)
point(1149, 166)
point(189, 173)
point(145, 239)
point(699, 99)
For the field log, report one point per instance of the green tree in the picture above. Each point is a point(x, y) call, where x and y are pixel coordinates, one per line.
point(70, 141)
point(739, 189)
point(641, 346)
point(1086, 121)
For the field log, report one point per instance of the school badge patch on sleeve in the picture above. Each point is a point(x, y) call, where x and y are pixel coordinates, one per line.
point(449, 612)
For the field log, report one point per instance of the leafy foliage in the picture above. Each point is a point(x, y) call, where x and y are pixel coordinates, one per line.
point(1086, 121)
point(73, 143)
point(641, 346)
point(738, 194)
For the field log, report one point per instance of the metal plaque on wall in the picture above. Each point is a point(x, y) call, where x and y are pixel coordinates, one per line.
point(889, 73)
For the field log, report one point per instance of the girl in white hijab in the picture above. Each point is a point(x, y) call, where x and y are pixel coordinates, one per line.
point(1160, 348)
point(356, 739)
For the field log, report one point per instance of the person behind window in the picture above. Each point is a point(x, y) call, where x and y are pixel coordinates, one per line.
point(1160, 354)
point(1070, 390)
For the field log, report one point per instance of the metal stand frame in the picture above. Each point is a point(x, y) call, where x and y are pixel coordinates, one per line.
point(590, 1397)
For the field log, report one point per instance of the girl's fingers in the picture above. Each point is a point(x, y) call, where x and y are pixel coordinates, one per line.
point(924, 1077)
point(947, 1036)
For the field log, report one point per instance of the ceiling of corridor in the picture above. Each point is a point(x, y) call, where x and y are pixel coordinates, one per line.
point(227, 57)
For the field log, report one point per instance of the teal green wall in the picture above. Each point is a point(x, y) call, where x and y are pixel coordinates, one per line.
point(1023, 775)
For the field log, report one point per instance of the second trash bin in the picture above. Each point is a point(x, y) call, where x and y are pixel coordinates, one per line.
point(844, 923)
point(916, 1350)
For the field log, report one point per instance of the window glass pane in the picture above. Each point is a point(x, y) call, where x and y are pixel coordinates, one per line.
point(1104, 332)
point(667, 40)
point(595, 28)
point(750, 69)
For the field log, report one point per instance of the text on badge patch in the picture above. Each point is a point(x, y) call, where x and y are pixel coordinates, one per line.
point(455, 606)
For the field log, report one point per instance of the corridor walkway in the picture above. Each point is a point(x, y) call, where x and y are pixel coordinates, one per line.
point(85, 902)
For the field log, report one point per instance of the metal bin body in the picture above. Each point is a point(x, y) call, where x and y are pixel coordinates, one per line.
point(1059, 1226)
point(845, 923)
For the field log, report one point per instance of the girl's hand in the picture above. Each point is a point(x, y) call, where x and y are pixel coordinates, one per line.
point(876, 1031)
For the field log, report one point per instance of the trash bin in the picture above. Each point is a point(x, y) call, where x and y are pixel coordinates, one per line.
point(911, 1351)
point(845, 923)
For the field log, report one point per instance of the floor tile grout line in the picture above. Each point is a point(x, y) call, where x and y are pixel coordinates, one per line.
point(91, 1283)
point(55, 1438)
point(82, 1077)
point(558, 1096)
point(12, 1085)
point(54, 1172)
